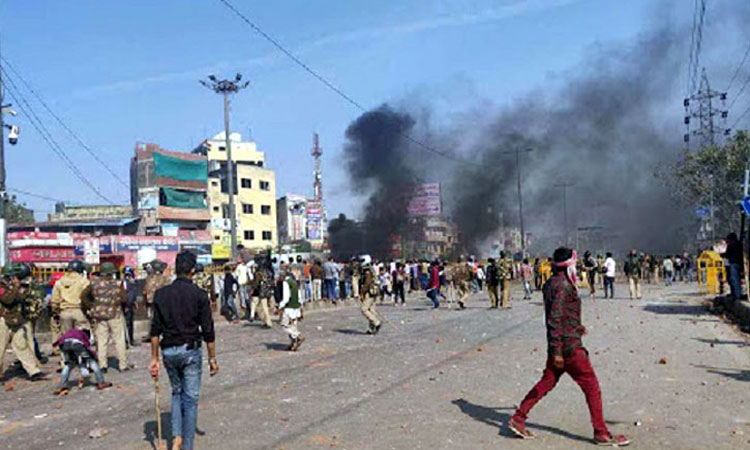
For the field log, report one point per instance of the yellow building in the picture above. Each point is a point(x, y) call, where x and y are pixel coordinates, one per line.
point(255, 195)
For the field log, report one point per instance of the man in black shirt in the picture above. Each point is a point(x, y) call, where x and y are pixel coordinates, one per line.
point(182, 320)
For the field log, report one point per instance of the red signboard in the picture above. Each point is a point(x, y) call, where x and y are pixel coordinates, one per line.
point(42, 254)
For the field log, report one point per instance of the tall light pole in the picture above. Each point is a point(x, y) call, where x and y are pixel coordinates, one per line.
point(226, 87)
point(520, 195)
point(565, 187)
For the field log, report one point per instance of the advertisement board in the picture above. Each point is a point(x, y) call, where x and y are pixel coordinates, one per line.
point(314, 222)
point(425, 200)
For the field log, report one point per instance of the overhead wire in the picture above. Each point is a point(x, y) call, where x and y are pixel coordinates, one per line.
point(63, 125)
point(739, 67)
point(330, 85)
point(39, 196)
point(37, 123)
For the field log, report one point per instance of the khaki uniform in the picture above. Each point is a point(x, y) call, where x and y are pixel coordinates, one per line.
point(106, 296)
point(505, 272)
point(368, 299)
point(634, 277)
point(205, 282)
point(263, 288)
point(66, 301)
point(461, 275)
point(16, 329)
point(154, 282)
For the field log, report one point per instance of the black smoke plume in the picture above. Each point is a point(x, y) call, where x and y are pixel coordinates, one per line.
point(376, 155)
point(607, 129)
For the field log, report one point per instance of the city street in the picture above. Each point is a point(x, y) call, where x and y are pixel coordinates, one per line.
point(672, 376)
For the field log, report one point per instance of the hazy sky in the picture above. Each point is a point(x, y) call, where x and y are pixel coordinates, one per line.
point(121, 72)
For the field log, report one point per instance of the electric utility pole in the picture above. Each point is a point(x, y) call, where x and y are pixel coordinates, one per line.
point(565, 187)
point(226, 87)
point(3, 222)
point(518, 152)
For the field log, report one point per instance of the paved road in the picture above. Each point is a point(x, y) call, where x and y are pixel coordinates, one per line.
point(431, 380)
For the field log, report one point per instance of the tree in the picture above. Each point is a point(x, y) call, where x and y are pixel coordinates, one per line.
point(718, 172)
point(18, 213)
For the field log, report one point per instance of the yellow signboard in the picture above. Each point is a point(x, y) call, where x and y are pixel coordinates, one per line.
point(223, 248)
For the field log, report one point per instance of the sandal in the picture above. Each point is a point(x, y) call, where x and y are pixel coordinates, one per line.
point(612, 440)
point(519, 429)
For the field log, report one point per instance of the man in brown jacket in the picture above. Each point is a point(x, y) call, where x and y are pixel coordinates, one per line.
point(66, 297)
point(105, 297)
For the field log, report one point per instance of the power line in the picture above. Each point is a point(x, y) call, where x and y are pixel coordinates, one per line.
point(739, 67)
point(71, 132)
point(39, 196)
point(36, 122)
point(742, 116)
point(330, 85)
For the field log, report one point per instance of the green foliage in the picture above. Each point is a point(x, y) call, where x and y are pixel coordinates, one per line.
point(719, 170)
point(18, 213)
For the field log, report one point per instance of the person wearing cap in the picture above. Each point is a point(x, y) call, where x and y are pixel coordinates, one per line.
point(565, 351)
point(66, 297)
point(105, 298)
point(367, 296)
point(154, 281)
point(290, 310)
point(15, 322)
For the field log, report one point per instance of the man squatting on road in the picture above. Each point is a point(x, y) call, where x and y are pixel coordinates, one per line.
point(566, 354)
point(182, 320)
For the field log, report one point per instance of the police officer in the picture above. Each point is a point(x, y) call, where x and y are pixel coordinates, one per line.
point(263, 289)
point(154, 281)
point(205, 281)
point(18, 305)
point(66, 297)
point(462, 278)
point(105, 298)
point(505, 272)
point(493, 281)
point(367, 294)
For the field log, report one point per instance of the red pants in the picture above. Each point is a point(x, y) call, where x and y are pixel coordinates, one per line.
point(578, 366)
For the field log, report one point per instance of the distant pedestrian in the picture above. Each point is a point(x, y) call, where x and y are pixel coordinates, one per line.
point(182, 322)
point(291, 311)
point(433, 284)
point(526, 276)
point(493, 281)
point(668, 270)
point(591, 266)
point(229, 307)
point(399, 281)
point(633, 267)
point(565, 351)
point(733, 255)
point(610, 271)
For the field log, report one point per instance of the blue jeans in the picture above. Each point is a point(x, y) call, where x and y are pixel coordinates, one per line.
point(184, 369)
point(75, 354)
point(329, 289)
point(231, 307)
point(433, 295)
point(734, 280)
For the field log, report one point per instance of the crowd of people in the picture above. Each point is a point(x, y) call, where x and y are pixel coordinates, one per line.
point(90, 309)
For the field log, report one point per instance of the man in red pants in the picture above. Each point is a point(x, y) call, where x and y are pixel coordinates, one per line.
point(562, 307)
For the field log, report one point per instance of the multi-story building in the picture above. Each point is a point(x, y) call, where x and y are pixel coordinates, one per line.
point(168, 190)
point(291, 211)
point(255, 195)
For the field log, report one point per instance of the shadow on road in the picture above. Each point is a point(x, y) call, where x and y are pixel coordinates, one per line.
point(494, 417)
point(735, 374)
point(722, 342)
point(350, 331)
point(276, 346)
point(676, 308)
point(149, 431)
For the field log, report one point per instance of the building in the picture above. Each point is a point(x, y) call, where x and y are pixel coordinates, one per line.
point(255, 195)
point(291, 218)
point(66, 213)
point(168, 190)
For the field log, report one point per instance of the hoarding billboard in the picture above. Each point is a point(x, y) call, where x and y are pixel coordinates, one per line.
point(425, 200)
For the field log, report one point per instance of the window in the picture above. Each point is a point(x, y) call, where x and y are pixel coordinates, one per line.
point(266, 235)
point(265, 210)
point(225, 211)
point(214, 183)
point(247, 208)
point(247, 183)
point(265, 186)
point(249, 235)
point(216, 209)
point(222, 149)
point(217, 238)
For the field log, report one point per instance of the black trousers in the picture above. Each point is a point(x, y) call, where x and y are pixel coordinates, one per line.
point(129, 316)
point(399, 292)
